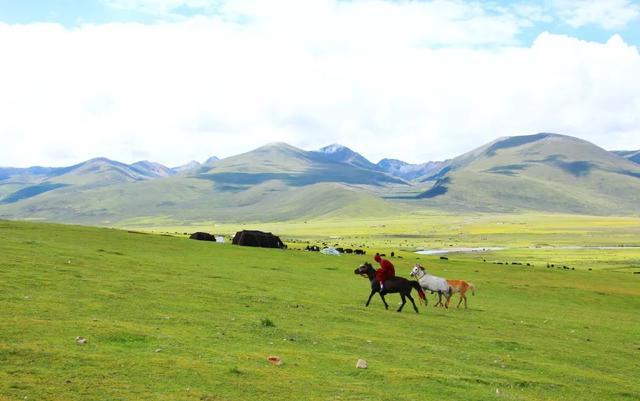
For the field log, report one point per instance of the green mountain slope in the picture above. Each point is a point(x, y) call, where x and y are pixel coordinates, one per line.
point(296, 167)
point(543, 172)
point(18, 184)
point(273, 182)
point(547, 172)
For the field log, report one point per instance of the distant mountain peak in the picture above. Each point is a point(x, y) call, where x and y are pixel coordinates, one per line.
point(151, 169)
point(210, 161)
point(408, 171)
point(278, 145)
point(145, 163)
point(342, 154)
point(187, 167)
point(99, 160)
point(282, 147)
point(335, 148)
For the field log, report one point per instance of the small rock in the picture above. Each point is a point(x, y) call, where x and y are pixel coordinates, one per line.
point(158, 350)
point(81, 340)
point(274, 360)
point(361, 364)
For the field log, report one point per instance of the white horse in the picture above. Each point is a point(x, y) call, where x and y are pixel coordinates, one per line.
point(432, 283)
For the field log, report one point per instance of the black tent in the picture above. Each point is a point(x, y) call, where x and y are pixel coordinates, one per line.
point(257, 238)
point(203, 236)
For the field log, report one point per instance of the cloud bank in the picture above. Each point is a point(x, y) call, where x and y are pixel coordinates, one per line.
point(412, 80)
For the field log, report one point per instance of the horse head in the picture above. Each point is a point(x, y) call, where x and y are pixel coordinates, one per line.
point(364, 269)
point(417, 269)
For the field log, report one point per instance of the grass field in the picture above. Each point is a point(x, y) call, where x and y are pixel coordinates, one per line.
point(168, 318)
point(531, 237)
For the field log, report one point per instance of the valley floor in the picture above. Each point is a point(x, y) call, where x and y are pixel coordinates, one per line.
point(168, 318)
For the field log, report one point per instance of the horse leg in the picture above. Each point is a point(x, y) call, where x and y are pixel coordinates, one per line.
point(460, 301)
point(415, 308)
point(370, 296)
point(439, 300)
point(465, 300)
point(386, 305)
point(404, 301)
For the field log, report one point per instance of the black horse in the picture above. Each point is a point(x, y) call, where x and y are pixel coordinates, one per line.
point(393, 285)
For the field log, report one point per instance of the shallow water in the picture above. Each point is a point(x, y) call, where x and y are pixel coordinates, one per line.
point(459, 250)
point(498, 248)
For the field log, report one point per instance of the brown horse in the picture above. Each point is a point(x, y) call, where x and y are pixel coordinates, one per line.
point(462, 287)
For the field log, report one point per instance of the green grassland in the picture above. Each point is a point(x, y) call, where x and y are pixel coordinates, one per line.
point(432, 229)
point(168, 318)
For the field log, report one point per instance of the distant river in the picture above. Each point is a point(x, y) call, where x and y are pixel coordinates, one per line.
point(459, 250)
point(498, 248)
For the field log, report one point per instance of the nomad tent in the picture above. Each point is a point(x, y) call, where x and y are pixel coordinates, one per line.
point(203, 236)
point(257, 238)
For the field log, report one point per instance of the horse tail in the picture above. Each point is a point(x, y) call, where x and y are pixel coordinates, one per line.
point(418, 288)
point(473, 288)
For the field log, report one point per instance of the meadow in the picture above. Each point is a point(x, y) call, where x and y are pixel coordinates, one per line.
point(167, 318)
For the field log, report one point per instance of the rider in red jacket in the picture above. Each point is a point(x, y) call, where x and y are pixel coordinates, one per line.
point(385, 272)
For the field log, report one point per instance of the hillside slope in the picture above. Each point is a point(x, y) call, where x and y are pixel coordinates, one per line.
point(273, 182)
point(547, 172)
point(542, 172)
point(633, 155)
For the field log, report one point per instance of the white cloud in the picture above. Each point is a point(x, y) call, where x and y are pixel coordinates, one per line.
point(609, 14)
point(164, 8)
point(367, 75)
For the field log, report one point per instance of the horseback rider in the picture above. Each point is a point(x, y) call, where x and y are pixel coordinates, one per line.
point(385, 272)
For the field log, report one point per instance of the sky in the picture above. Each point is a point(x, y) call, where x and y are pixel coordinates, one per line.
point(179, 80)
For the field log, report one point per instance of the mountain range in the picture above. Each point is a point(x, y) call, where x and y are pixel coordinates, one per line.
point(542, 172)
point(633, 155)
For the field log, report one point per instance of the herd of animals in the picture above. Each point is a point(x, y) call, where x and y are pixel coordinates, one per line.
point(403, 286)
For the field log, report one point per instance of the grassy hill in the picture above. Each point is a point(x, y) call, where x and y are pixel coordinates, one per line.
point(273, 182)
point(537, 172)
point(543, 172)
point(174, 319)
point(296, 167)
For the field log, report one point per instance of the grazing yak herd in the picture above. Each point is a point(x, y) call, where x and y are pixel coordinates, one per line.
point(315, 248)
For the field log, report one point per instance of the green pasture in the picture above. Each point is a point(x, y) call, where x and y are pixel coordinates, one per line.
point(168, 318)
point(433, 230)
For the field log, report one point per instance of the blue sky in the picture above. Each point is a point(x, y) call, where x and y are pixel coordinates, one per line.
point(176, 80)
point(72, 13)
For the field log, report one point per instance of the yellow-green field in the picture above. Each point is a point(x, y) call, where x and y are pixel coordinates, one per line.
point(571, 240)
point(168, 318)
